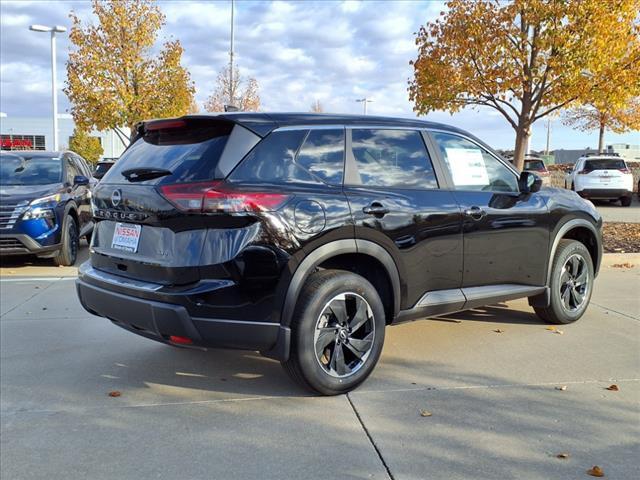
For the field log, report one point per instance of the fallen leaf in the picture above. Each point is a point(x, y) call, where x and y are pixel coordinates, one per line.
point(115, 393)
point(613, 388)
point(595, 471)
point(498, 330)
point(559, 332)
point(562, 455)
point(553, 329)
point(425, 413)
point(622, 265)
point(563, 388)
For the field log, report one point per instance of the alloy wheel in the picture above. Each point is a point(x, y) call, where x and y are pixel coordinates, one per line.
point(344, 335)
point(574, 283)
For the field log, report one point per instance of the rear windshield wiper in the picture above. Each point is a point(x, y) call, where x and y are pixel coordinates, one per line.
point(144, 173)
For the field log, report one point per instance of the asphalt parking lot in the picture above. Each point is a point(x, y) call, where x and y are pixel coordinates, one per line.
point(614, 212)
point(488, 377)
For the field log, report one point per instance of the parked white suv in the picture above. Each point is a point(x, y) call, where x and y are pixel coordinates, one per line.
point(601, 177)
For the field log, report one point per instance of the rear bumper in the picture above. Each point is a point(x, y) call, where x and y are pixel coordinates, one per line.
point(604, 192)
point(21, 244)
point(159, 320)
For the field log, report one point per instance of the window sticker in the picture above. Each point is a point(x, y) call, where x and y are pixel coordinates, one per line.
point(467, 166)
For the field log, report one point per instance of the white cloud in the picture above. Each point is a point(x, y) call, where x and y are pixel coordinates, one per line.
point(299, 51)
point(15, 20)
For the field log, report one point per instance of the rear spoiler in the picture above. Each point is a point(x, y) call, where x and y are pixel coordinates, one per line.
point(256, 123)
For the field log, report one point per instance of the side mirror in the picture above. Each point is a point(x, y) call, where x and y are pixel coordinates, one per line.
point(80, 180)
point(529, 182)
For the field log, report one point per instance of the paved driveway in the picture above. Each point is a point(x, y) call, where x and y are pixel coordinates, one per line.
point(496, 412)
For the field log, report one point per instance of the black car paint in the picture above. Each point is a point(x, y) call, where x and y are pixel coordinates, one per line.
point(230, 272)
point(74, 199)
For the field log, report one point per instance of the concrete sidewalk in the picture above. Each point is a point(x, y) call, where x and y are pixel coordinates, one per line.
point(225, 414)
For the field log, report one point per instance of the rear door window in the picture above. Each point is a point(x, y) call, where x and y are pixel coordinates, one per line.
point(392, 158)
point(191, 152)
point(604, 164)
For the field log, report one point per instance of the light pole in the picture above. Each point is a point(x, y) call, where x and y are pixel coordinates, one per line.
point(364, 102)
point(53, 30)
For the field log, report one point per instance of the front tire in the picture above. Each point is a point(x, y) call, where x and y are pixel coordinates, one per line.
point(70, 243)
point(626, 201)
point(337, 332)
point(572, 277)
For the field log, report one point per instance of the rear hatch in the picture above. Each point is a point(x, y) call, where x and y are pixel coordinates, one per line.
point(604, 173)
point(152, 224)
point(536, 166)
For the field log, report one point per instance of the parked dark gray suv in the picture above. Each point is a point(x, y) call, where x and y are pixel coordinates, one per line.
point(304, 236)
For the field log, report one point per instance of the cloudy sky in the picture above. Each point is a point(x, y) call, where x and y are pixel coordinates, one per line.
point(332, 51)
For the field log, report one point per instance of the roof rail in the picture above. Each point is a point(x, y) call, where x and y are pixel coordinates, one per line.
point(612, 154)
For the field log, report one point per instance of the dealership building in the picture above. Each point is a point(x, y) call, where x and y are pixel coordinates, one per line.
point(27, 133)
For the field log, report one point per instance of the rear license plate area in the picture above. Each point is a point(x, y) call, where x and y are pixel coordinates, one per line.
point(126, 236)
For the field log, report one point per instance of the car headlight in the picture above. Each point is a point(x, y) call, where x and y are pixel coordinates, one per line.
point(35, 213)
point(49, 198)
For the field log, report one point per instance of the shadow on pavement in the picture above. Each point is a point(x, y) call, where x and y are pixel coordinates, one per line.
point(498, 313)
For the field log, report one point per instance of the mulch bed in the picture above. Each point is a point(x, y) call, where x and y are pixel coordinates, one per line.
point(621, 237)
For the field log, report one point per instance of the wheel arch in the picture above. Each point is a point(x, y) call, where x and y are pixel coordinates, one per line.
point(71, 209)
point(583, 231)
point(358, 256)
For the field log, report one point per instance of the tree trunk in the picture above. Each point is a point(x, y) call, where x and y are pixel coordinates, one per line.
point(522, 143)
point(601, 139)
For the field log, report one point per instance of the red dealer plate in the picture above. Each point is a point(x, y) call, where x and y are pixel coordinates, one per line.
point(126, 237)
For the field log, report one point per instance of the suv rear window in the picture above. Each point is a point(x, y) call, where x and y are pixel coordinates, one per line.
point(604, 164)
point(280, 158)
point(322, 154)
point(190, 152)
point(537, 165)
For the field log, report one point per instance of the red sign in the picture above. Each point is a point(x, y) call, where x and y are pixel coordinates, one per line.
point(16, 143)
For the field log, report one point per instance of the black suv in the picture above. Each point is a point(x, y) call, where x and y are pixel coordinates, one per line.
point(45, 204)
point(303, 236)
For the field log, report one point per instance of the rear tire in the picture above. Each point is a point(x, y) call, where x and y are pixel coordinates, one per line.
point(337, 332)
point(572, 277)
point(70, 243)
point(625, 201)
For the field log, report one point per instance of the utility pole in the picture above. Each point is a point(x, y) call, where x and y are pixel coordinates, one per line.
point(364, 102)
point(231, 57)
point(546, 152)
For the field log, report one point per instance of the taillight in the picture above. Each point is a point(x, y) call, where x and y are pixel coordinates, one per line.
point(212, 197)
point(625, 170)
point(180, 340)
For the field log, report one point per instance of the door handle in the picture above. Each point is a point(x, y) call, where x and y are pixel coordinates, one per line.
point(475, 212)
point(376, 209)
